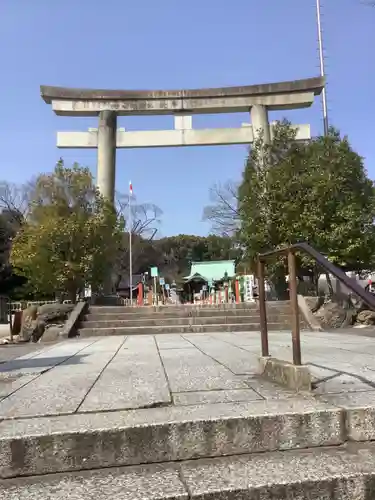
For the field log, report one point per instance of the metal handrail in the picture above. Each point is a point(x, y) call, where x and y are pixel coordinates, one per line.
point(330, 268)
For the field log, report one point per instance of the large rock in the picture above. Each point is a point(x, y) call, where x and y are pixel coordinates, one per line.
point(334, 315)
point(52, 334)
point(314, 303)
point(39, 327)
point(29, 316)
point(32, 329)
point(35, 320)
point(54, 312)
point(366, 317)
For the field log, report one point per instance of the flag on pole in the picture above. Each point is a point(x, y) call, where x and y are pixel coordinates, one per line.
point(130, 188)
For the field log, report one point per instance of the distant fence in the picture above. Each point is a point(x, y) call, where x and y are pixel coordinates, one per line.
point(20, 306)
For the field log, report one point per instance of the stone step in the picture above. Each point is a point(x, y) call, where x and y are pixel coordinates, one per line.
point(204, 313)
point(189, 308)
point(81, 441)
point(346, 472)
point(152, 330)
point(117, 322)
point(140, 313)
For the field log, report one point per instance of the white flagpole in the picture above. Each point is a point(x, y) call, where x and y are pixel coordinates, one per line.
point(130, 246)
point(322, 70)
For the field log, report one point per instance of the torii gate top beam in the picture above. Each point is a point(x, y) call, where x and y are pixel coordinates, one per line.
point(275, 96)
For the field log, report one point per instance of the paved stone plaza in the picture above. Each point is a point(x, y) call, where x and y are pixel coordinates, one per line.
point(122, 417)
point(122, 373)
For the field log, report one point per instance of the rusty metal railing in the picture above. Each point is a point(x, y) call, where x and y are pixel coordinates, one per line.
point(330, 268)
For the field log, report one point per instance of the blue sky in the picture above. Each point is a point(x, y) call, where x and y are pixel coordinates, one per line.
point(170, 44)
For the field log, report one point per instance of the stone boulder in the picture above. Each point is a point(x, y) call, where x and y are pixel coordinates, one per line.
point(29, 318)
point(39, 327)
point(52, 333)
point(32, 329)
point(314, 303)
point(36, 320)
point(334, 315)
point(54, 312)
point(366, 317)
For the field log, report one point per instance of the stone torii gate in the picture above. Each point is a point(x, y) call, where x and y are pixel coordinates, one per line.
point(182, 104)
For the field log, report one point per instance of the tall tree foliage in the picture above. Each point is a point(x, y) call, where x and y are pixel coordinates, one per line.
point(71, 236)
point(173, 255)
point(10, 222)
point(177, 252)
point(316, 191)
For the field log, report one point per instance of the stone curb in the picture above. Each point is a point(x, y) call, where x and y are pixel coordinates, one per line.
point(92, 441)
point(340, 473)
point(292, 376)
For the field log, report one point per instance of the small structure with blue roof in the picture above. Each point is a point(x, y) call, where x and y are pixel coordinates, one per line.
point(210, 275)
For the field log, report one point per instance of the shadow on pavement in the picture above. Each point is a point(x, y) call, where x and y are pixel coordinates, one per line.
point(25, 364)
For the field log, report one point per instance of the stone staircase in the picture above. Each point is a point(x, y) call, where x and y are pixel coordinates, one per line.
point(259, 451)
point(120, 320)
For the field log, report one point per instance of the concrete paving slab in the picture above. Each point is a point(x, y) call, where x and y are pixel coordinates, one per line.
point(89, 441)
point(191, 370)
point(239, 338)
point(13, 351)
point(10, 383)
point(212, 397)
point(319, 374)
point(172, 342)
point(234, 358)
point(45, 359)
point(364, 399)
point(62, 389)
point(135, 378)
point(270, 391)
point(341, 384)
point(140, 344)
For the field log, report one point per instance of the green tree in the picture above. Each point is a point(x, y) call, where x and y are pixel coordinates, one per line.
point(177, 252)
point(316, 192)
point(71, 236)
point(9, 224)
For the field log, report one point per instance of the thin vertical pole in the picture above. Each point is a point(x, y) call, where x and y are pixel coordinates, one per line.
point(130, 247)
point(155, 293)
point(262, 309)
point(322, 70)
point(296, 340)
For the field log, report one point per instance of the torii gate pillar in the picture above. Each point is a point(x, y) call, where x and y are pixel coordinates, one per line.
point(106, 169)
point(259, 120)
